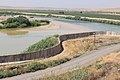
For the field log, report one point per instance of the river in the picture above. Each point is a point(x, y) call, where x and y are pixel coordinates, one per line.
point(15, 44)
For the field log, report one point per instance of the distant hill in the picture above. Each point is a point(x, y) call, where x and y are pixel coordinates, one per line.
point(68, 9)
point(31, 8)
point(111, 10)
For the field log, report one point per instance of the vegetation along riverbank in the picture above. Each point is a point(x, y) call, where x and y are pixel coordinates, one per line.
point(71, 50)
point(98, 20)
point(100, 17)
point(44, 44)
point(22, 22)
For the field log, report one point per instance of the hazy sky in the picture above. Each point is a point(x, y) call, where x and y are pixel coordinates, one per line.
point(62, 3)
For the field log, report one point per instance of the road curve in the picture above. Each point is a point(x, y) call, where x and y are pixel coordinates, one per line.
point(85, 59)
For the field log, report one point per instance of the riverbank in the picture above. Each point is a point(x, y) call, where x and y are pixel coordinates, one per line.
point(107, 19)
point(85, 45)
point(97, 20)
point(57, 25)
point(23, 39)
point(51, 26)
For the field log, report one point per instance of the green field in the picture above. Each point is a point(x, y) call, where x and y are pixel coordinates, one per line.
point(93, 14)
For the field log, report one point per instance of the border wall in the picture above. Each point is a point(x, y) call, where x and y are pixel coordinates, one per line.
point(47, 52)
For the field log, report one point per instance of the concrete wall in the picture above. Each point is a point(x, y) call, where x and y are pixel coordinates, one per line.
point(47, 52)
point(113, 33)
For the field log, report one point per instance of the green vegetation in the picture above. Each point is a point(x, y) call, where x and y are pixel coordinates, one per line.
point(79, 74)
point(94, 20)
point(100, 70)
point(86, 73)
point(17, 22)
point(34, 66)
point(43, 44)
point(22, 22)
point(17, 69)
point(98, 15)
point(93, 14)
point(61, 12)
point(14, 70)
point(77, 14)
point(13, 32)
point(39, 22)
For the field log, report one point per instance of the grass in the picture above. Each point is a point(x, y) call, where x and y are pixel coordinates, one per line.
point(96, 15)
point(93, 14)
point(14, 70)
point(103, 69)
point(95, 20)
point(79, 74)
point(13, 32)
point(72, 48)
point(44, 44)
point(76, 47)
point(77, 14)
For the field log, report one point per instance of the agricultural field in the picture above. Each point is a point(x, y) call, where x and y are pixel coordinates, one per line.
point(93, 14)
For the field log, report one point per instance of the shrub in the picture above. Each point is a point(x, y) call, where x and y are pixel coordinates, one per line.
point(13, 67)
point(78, 17)
point(79, 74)
point(45, 21)
point(89, 46)
point(43, 44)
point(23, 25)
point(52, 63)
point(63, 60)
point(1, 27)
point(10, 25)
point(98, 66)
point(9, 73)
point(1, 73)
point(56, 62)
point(22, 22)
point(35, 23)
point(56, 35)
point(34, 66)
point(29, 67)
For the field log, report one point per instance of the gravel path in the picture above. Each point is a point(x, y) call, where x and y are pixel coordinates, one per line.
point(81, 61)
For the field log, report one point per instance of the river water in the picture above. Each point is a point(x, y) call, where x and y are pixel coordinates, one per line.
point(15, 44)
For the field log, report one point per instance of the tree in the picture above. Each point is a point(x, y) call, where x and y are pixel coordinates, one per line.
point(61, 12)
point(23, 20)
point(9, 20)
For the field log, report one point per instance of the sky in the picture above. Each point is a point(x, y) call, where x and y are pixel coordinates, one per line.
point(62, 3)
